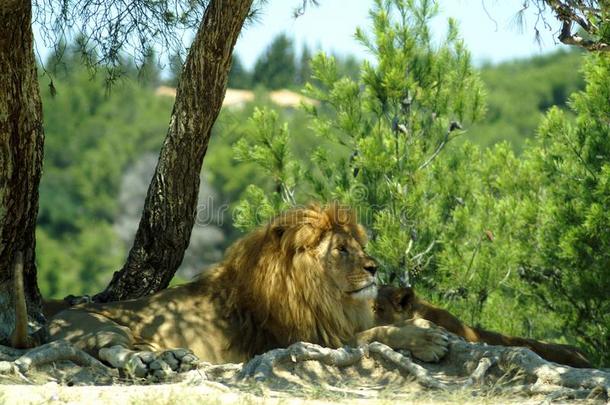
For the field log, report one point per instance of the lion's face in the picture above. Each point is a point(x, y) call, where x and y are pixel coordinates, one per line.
point(349, 268)
point(303, 277)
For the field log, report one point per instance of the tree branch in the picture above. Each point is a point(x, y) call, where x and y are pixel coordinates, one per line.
point(587, 14)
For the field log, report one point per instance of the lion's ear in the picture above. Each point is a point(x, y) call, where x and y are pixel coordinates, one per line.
point(403, 297)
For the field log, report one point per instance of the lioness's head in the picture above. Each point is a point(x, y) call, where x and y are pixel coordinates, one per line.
point(394, 304)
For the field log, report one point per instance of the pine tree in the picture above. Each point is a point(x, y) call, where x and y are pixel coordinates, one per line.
point(239, 77)
point(276, 68)
point(385, 133)
point(569, 266)
point(304, 71)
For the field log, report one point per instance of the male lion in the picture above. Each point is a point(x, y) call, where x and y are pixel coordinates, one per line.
point(303, 277)
point(395, 304)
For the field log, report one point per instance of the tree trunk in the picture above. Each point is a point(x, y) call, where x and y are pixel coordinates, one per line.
point(21, 150)
point(171, 204)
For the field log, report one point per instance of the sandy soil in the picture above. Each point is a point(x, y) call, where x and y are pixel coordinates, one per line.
point(369, 382)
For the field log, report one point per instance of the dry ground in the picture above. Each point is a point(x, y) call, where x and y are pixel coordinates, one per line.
point(304, 373)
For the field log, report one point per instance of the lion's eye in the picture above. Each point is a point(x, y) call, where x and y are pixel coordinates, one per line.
point(342, 249)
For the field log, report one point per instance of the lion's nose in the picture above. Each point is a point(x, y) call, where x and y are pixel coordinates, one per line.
point(371, 267)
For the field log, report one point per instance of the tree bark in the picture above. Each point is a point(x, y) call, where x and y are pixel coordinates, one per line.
point(171, 204)
point(21, 151)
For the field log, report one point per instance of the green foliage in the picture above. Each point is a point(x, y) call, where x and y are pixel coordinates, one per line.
point(239, 77)
point(493, 236)
point(269, 149)
point(276, 69)
point(230, 177)
point(2, 214)
point(92, 135)
point(568, 266)
point(148, 70)
point(391, 125)
point(521, 92)
point(303, 68)
point(106, 30)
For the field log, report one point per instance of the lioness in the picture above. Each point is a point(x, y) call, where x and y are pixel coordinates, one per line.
point(396, 304)
point(303, 277)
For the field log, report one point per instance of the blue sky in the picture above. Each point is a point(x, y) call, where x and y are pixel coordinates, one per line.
point(330, 26)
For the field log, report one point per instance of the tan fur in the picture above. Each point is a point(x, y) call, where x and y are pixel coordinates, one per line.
point(395, 304)
point(303, 277)
point(51, 307)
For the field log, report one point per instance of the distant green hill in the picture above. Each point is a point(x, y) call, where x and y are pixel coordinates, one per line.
point(519, 92)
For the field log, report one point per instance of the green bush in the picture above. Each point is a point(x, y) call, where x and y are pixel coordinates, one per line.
point(387, 131)
point(568, 265)
point(515, 244)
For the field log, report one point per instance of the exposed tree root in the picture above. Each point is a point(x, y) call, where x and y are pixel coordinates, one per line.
point(531, 367)
point(494, 369)
point(55, 351)
point(8, 353)
point(18, 362)
point(478, 375)
point(261, 366)
point(553, 392)
point(476, 362)
point(422, 376)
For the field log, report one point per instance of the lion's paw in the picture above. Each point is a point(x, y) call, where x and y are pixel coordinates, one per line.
point(431, 343)
point(163, 364)
point(146, 364)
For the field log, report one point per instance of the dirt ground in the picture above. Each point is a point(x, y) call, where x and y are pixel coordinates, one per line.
point(52, 393)
point(368, 381)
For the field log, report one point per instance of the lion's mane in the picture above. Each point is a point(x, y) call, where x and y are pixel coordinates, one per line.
point(280, 293)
